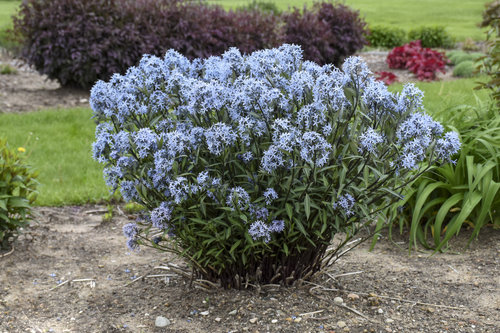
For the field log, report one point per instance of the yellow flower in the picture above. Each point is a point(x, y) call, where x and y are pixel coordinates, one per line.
point(21, 149)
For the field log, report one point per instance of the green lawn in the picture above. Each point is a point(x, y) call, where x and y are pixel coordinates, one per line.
point(459, 16)
point(7, 9)
point(58, 145)
point(441, 95)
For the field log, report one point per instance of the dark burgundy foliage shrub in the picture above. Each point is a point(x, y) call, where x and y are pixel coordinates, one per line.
point(423, 62)
point(77, 42)
point(80, 42)
point(328, 33)
point(198, 30)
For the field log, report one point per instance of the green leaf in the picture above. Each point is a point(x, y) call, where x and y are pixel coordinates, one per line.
point(300, 226)
point(289, 210)
point(424, 191)
point(307, 205)
point(18, 203)
point(442, 212)
point(470, 201)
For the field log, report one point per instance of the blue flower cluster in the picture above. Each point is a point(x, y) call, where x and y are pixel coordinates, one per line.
point(176, 129)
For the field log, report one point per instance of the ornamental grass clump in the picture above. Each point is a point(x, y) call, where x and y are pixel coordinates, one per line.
point(249, 165)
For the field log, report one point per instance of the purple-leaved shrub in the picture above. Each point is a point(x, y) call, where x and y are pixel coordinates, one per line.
point(249, 165)
point(80, 42)
point(328, 32)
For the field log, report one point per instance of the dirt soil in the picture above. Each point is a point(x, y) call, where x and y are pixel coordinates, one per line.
point(29, 91)
point(72, 272)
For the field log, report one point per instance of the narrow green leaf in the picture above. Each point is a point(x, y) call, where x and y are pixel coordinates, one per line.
point(307, 206)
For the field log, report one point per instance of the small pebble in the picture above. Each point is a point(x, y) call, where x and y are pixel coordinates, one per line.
point(389, 320)
point(161, 321)
point(380, 311)
point(274, 321)
point(218, 319)
point(234, 312)
point(253, 320)
point(297, 320)
point(341, 324)
point(338, 300)
point(204, 313)
point(353, 297)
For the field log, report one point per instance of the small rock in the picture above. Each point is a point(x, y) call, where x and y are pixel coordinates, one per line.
point(380, 311)
point(280, 313)
point(353, 297)
point(161, 321)
point(218, 319)
point(83, 100)
point(274, 321)
point(389, 320)
point(297, 320)
point(233, 313)
point(253, 320)
point(338, 300)
point(204, 313)
point(341, 324)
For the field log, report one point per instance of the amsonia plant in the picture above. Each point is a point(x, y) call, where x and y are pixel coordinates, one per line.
point(248, 165)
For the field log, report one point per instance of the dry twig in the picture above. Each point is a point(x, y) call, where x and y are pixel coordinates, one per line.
point(59, 285)
point(8, 253)
point(323, 288)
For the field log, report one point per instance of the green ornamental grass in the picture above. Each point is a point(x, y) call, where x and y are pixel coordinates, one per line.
point(466, 193)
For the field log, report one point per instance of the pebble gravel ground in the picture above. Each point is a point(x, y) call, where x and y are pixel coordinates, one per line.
point(72, 272)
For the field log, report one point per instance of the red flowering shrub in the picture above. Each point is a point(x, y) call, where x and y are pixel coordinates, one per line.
point(387, 77)
point(399, 56)
point(423, 62)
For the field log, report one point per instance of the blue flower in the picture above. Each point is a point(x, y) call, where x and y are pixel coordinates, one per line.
point(410, 98)
point(128, 190)
point(376, 96)
point(314, 148)
point(270, 195)
point(260, 230)
point(345, 203)
point(272, 159)
point(104, 140)
point(277, 226)
point(146, 142)
point(218, 137)
point(369, 140)
point(161, 215)
point(357, 70)
point(130, 230)
point(179, 189)
point(238, 197)
point(447, 146)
